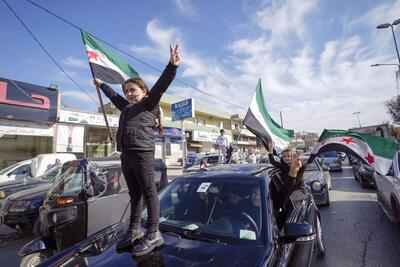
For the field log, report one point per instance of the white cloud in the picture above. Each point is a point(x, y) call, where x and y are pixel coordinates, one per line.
point(76, 62)
point(314, 88)
point(187, 8)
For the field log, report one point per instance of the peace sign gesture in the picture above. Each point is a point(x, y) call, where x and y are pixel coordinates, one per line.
point(174, 55)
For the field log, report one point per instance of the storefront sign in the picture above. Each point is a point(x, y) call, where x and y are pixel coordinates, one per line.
point(70, 138)
point(182, 110)
point(29, 102)
point(87, 118)
point(208, 137)
point(22, 128)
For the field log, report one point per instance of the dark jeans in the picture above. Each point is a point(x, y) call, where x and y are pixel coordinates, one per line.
point(138, 169)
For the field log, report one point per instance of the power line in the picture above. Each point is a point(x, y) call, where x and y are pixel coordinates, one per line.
point(129, 55)
point(45, 50)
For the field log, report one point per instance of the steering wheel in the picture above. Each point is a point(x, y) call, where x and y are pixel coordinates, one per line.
point(243, 215)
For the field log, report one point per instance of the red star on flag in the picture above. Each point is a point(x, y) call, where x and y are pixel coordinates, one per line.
point(369, 158)
point(348, 140)
point(92, 54)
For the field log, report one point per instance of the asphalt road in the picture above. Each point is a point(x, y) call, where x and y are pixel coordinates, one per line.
point(356, 231)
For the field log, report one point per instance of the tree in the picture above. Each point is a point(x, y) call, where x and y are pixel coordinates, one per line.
point(393, 106)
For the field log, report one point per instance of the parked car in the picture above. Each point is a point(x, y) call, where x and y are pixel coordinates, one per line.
point(91, 194)
point(363, 173)
point(332, 160)
point(215, 219)
point(318, 179)
point(21, 208)
point(210, 161)
point(191, 160)
point(43, 162)
point(388, 190)
point(16, 171)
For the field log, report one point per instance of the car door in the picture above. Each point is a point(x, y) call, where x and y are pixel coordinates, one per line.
point(109, 202)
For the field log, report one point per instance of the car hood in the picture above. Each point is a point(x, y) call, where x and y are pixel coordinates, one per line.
point(31, 192)
point(176, 251)
point(6, 185)
point(310, 176)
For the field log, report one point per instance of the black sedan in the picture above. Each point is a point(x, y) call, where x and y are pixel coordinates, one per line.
point(363, 173)
point(20, 208)
point(221, 218)
point(316, 179)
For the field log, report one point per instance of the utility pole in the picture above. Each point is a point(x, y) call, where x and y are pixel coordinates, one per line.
point(358, 117)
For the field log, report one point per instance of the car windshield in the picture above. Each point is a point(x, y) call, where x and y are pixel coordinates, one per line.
point(313, 167)
point(331, 154)
point(70, 180)
point(224, 210)
point(51, 174)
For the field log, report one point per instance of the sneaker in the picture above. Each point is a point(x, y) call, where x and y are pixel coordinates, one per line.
point(148, 243)
point(130, 237)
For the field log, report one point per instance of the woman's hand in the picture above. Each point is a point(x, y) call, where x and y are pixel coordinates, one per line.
point(174, 55)
point(97, 82)
point(295, 165)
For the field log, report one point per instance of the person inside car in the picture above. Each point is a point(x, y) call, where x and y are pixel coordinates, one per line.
point(283, 184)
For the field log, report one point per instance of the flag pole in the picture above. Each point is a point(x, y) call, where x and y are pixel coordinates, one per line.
point(102, 109)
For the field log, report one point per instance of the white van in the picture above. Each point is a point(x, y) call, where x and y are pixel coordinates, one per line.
point(43, 162)
point(33, 167)
point(18, 170)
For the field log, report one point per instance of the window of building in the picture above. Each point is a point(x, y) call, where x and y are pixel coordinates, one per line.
point(168, 149)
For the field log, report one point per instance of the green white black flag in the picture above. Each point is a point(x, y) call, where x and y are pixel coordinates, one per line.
point(106, 65)
point(260, 123)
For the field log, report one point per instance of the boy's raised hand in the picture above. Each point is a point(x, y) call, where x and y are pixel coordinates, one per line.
point(174, 55)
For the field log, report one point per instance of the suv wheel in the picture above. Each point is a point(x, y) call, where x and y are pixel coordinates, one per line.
point(35, 259)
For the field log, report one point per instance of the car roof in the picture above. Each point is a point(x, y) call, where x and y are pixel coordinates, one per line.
point(230, 170)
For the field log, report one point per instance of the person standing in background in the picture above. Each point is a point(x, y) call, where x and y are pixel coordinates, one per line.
point(222, 143)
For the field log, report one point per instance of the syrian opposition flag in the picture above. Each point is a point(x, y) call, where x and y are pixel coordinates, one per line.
point(106, 65)
point(260, 123)
point(376, 151)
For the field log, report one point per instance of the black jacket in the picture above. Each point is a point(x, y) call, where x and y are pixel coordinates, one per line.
point(136, 123)
point(299, 180)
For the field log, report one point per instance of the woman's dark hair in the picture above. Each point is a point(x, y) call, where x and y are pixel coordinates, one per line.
point(142, 85)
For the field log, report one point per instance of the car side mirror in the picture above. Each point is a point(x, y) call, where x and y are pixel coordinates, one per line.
point(298, 232)
point(325, 168)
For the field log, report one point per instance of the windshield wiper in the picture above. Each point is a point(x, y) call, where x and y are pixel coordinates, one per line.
point(195, 234)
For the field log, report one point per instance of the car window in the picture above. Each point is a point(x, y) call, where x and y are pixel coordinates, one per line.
point(22, 171)
point(331, 154)
point(223, 209)
point(69, 182)
point(313, 166)
point(7, 169)
point(113, 177)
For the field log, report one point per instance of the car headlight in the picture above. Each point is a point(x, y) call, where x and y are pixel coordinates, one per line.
point(316, 186)
point(20, 205)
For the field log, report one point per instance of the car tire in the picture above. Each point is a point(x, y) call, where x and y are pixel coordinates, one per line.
point(328, 202)
point(319, 238)
point(396, 211)
point(35, 259)
point(362, 182)
point(36, 228)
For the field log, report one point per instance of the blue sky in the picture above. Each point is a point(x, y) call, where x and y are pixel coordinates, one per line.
point(313, 56)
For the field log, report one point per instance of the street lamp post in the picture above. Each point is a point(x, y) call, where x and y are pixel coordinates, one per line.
point(384, 26)
point(358, 117)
